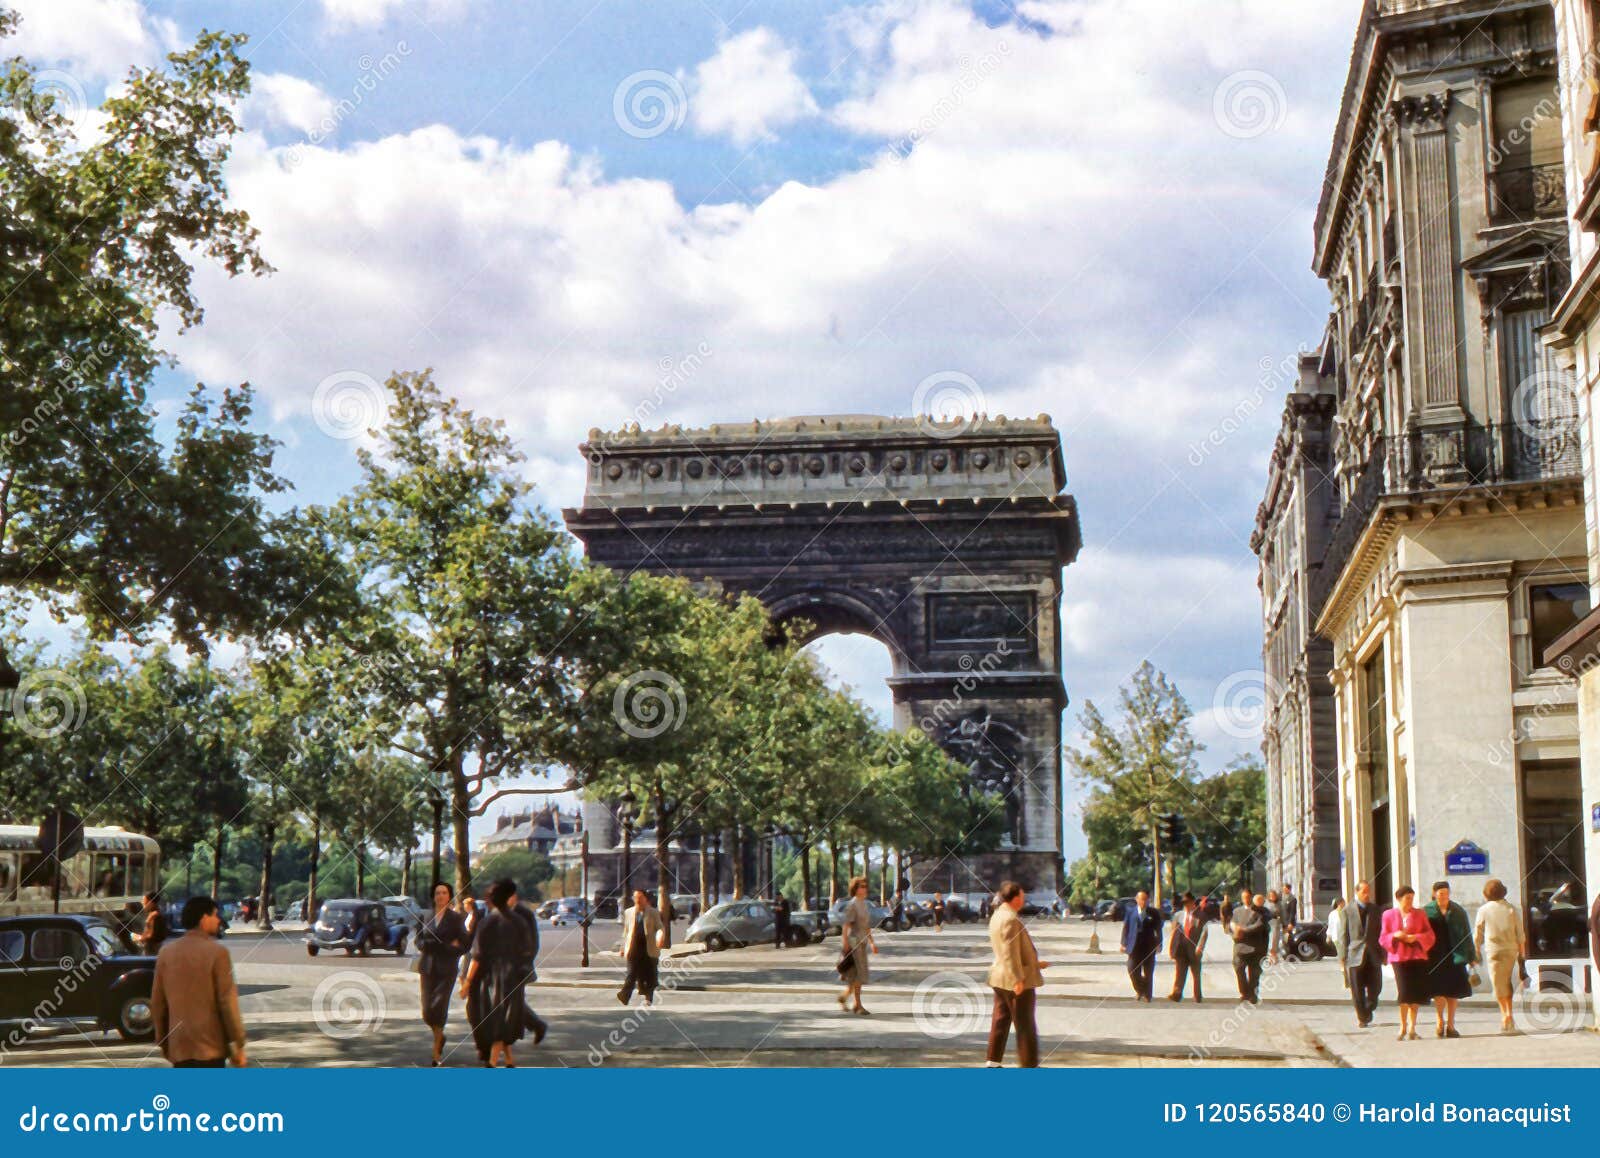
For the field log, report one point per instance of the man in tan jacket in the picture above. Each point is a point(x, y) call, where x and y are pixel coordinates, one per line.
point(643, 935)
point(193, 999)
point(1015, 978)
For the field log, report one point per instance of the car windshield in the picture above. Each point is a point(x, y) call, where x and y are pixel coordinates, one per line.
point(332, 913)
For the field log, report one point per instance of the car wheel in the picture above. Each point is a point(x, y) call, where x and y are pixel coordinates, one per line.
point(311, 950)
point(1308, 951)
point(716, 942)
point(135, 1020)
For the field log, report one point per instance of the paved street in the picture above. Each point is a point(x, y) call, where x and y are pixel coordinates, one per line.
point(760, 1006)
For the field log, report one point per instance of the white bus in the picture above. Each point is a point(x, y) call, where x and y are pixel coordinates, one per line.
point(113, 870)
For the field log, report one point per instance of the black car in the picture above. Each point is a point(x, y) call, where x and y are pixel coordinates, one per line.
point(1309, 942)
point(74, 968)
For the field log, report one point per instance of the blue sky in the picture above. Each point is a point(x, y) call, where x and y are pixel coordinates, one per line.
point(1096, 209)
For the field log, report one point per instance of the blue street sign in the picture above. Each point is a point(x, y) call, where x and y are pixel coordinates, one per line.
point(1466, 857)
point(1594, 817)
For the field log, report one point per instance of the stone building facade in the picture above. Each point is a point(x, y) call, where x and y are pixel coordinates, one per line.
point(1291, 534)
point(1457, 553)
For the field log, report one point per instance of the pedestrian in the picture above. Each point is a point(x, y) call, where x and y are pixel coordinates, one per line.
point(986, 907)
point(855, 940)
point(1452, 955)
point(1501, 944)
point(1360, 950)
point(1141, 941)
point(938, 912)
point(531, 1021)
point(642, 938)
point(1187, 948)
point(193, 1001)
point(1407, 937)
point(1274, 926)
point(441, 942)
point(1250, 935)
point(1015, 978)
point(1288, 910)
point(780, 921)
point(471, 918)
point(155, 929)
point(899, 910)
point(1336, 924)
point(494, 981)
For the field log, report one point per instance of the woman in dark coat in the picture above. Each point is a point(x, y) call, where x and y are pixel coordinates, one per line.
point(440, 944)
point(1452, 952)
point(496, 977)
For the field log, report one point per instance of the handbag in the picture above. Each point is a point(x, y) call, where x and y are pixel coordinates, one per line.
point(1474, 980)
point(844, 966)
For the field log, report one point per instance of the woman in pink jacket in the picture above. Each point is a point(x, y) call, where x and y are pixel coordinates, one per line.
point(1406, 937)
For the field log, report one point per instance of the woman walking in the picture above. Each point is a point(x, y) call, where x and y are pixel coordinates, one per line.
point(496, 976)
point(1449, 958)
point(938, 912)
point(1500, 941)
point(855, 939)
point(1407, 937)
point(440, 944)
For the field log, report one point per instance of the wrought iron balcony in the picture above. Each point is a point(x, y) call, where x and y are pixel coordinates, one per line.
point(1443, 460)
point(1529, 192)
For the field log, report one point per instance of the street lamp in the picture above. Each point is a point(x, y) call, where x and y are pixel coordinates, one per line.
point(436, 802)
point(625, 813)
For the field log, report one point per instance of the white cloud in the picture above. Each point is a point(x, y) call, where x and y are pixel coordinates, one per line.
point(749, 88)
point(373, 13)
point(98, 39)
point(277, 98)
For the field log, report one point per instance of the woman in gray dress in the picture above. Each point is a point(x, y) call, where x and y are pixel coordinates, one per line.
point(855, 940)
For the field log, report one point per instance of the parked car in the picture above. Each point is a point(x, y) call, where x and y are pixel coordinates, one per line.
point(686, 905)
point(412, 912)
point(295, 911)
point(814, 922)
point(174, 912)
point(882, 918)
point(357, 927)
point(1112, 910)
point(74, 968)
point(1558, 922)
point(1308, 942)
point(1040, 905)
point(741, 923)
point(569, 912)
point(546, 910)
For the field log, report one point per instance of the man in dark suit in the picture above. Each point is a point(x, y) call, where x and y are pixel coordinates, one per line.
point(1251, 941)
point(1141, 941)
point(531, 1021)
point(1361, 954)
point(780, 921)
point(1187, 948)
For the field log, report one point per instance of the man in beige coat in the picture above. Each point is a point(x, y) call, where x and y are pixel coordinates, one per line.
point(193, 999)
point(643, 936)
point(1015, 978)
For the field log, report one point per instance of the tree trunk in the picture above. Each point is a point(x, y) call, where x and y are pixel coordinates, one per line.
point(805, 876)
point(704, 868)
point(663, 869)
point(866, 866)
point(316, 859)
point(833, 873)
point(883, 879)
point(216, 864)
point(361, 869)
point(264, 893)
point(405, 873)
point(460, 803)
point(738, 861)
point(1155, 862)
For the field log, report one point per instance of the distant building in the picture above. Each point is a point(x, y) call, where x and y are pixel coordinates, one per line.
point(1298, 741)
point(531, 830)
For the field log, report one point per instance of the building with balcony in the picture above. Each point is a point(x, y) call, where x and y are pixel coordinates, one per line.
point(1290, 537)
point(1456, 549)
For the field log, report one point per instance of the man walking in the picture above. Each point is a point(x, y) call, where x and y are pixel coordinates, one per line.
point(642, 938)
point(1288, 910)
point(193, 1001)
point(780, 921)
point(1250, 935)
point(535, 1024)
point(1187, 949)
point(1015, 978)
point(1141, 941)
point(1274, 926)
point(1361, 953)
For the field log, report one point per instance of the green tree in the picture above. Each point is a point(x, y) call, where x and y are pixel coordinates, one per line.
point(1142, 766)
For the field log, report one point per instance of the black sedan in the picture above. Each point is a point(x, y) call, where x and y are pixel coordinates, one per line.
point(73, 968)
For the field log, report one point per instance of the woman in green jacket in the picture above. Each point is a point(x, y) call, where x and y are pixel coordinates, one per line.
point(1453, 951)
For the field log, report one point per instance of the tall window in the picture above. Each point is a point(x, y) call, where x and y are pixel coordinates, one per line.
point(1525, 155)
point(1552, 858)
point(1374, 722)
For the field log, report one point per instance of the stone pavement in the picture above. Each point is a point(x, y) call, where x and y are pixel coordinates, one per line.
point(764, 1007)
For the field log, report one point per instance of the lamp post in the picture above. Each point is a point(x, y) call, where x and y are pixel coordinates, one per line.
point(625, 813)
point(583, 887)
point(436, 802)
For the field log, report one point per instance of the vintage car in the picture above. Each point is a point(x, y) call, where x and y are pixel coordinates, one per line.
point(74, 968)
point(357, 927)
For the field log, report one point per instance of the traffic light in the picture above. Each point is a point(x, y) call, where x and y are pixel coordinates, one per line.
point(1174, 834)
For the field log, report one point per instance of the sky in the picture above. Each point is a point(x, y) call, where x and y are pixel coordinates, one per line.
point(1099, 210)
